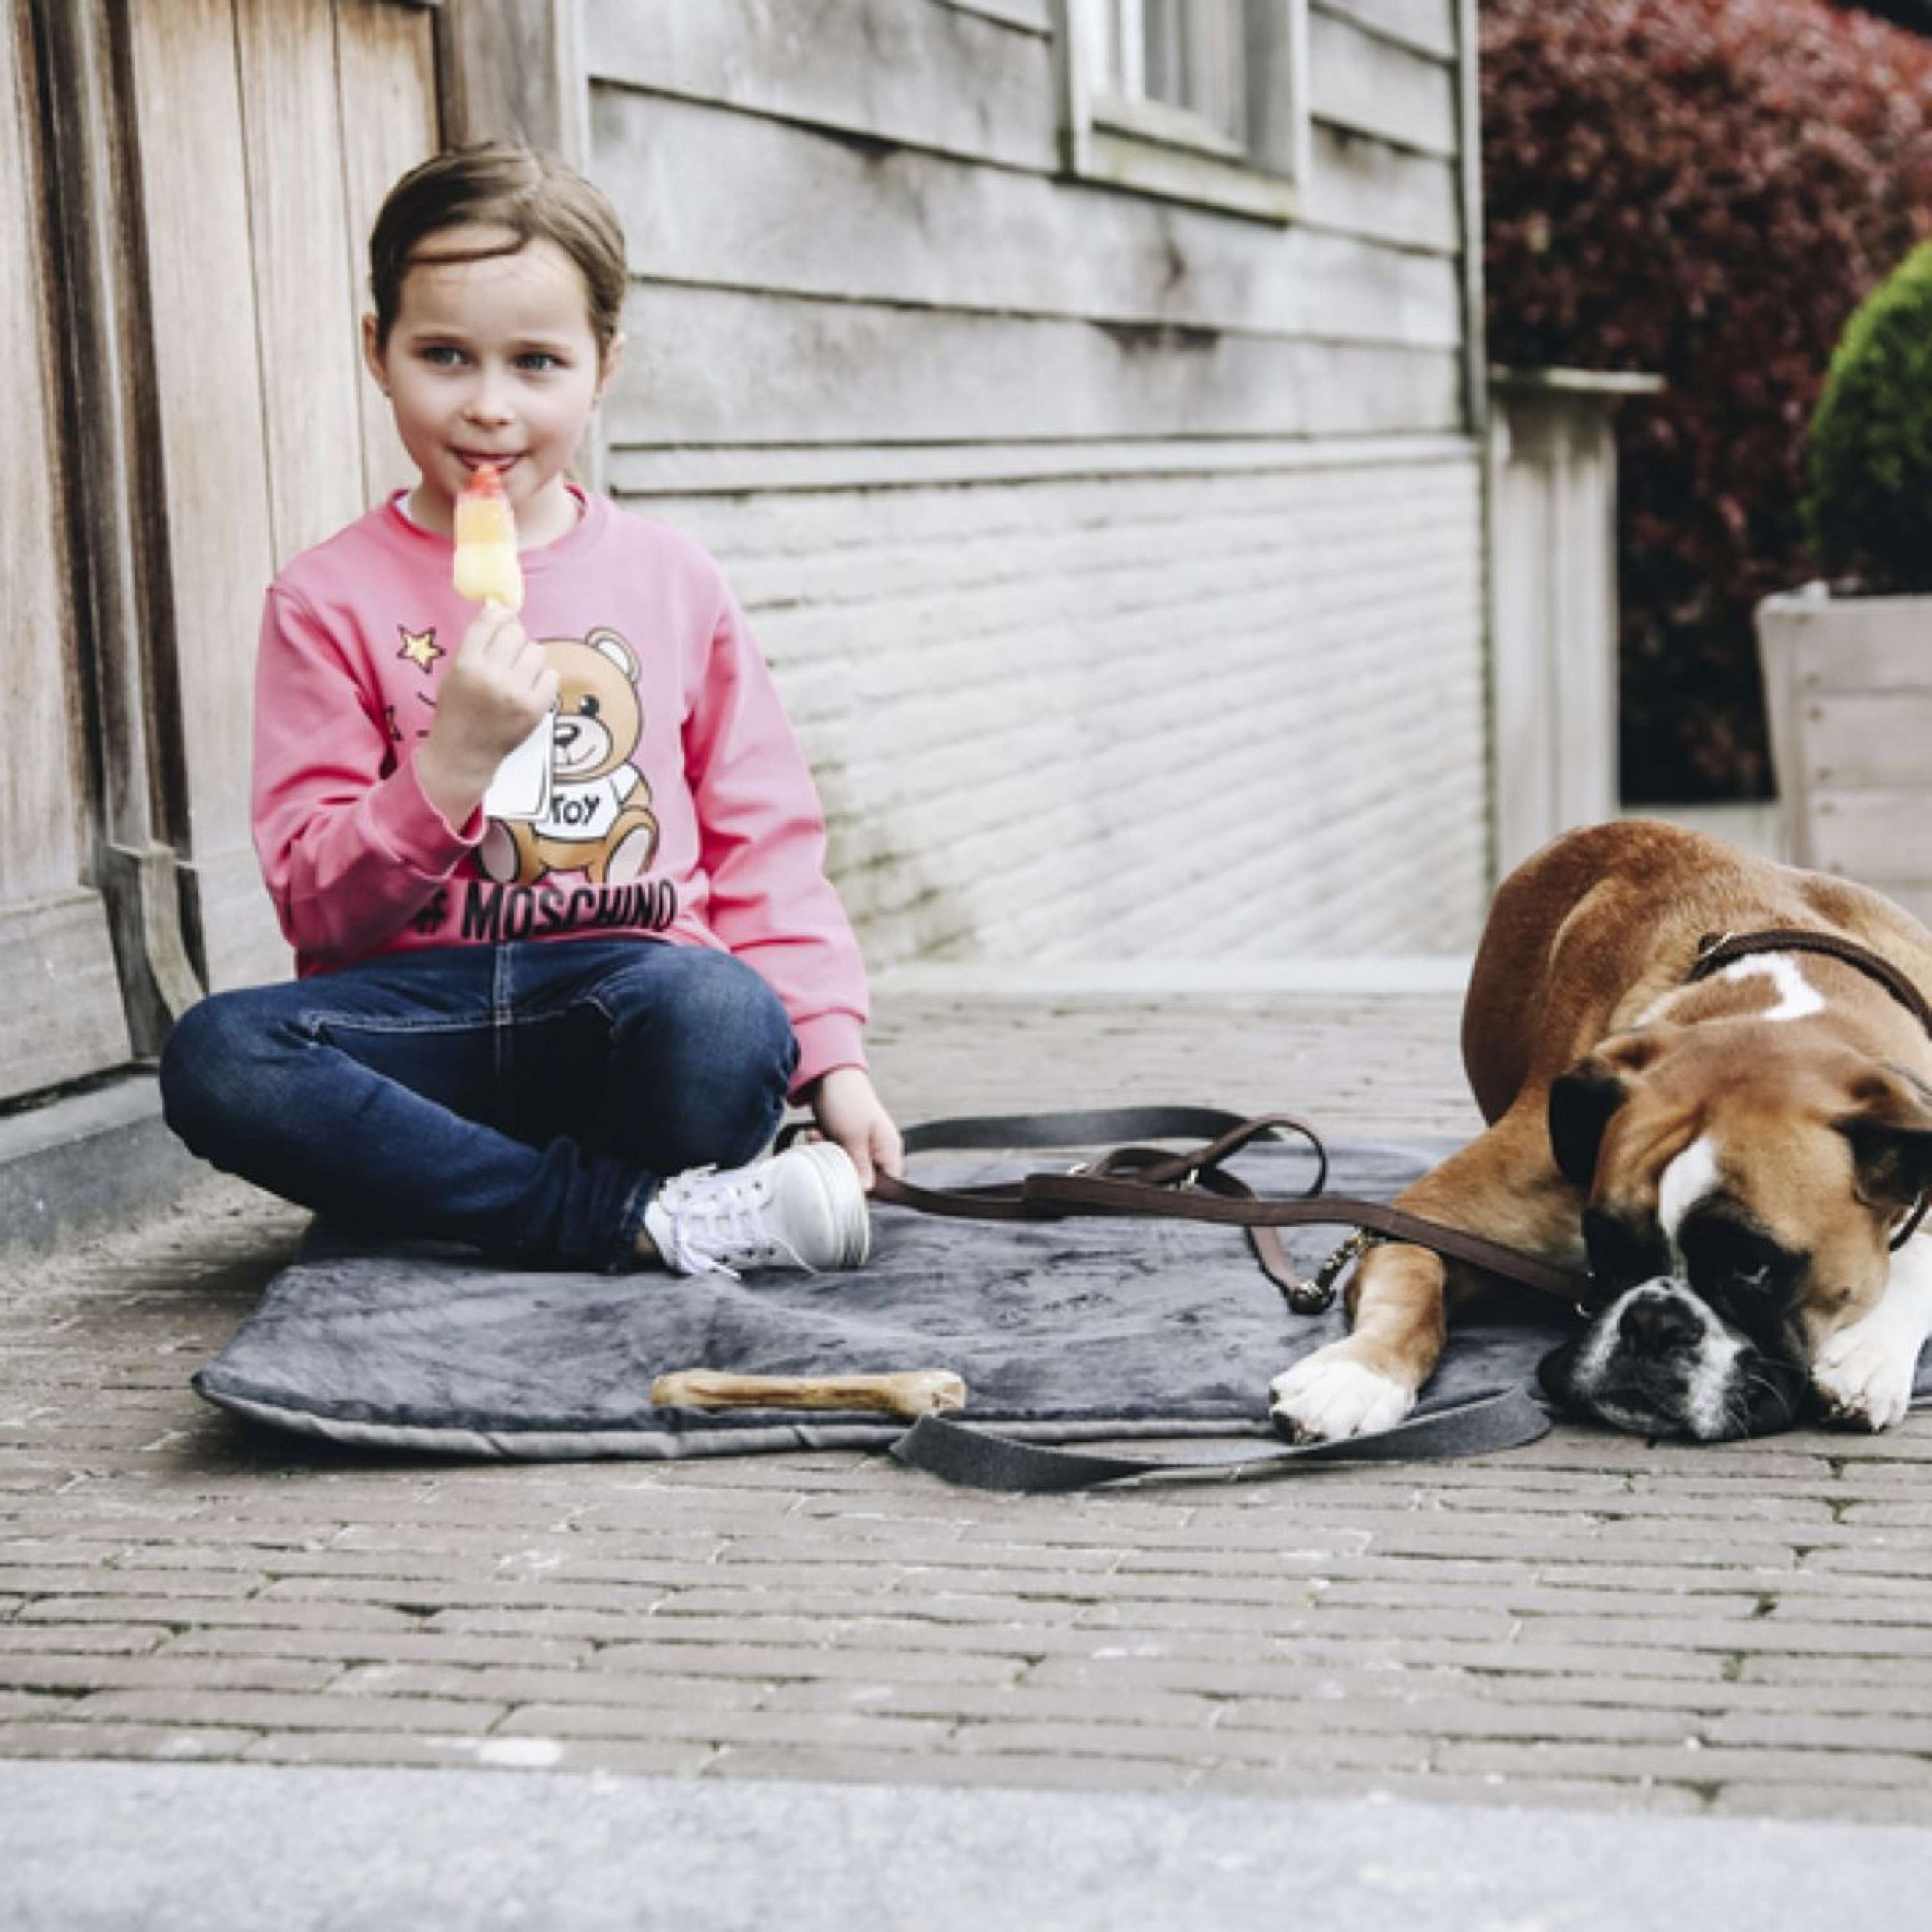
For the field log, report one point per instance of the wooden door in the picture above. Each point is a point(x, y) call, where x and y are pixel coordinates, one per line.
point(268, 131)
point(186, 189)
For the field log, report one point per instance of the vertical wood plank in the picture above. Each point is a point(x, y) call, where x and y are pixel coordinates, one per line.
point(40, 830)
point(305, 302)
point(385, 67)
point(206, 376)
point(508, 72)
point(61, 1015)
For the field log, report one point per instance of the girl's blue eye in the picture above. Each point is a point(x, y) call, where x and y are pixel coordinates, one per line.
point(441, 355)
point(541, 360)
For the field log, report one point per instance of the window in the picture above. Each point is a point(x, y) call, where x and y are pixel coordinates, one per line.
point(1196, 100)
point(1184, 56)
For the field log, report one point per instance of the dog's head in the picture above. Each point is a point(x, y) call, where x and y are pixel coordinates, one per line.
point(1764, 1172)
point(1658, 1362)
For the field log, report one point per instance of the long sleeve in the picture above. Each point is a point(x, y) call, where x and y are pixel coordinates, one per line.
point(762, 843)
point(351, 848)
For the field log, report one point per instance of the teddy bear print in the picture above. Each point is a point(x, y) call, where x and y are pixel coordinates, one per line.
point(599, 820)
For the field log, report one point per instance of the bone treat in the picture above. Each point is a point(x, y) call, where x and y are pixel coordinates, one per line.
point(487, 568)
point(910, 1392)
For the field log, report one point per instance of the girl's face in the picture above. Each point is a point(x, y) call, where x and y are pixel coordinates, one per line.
point(493, 363)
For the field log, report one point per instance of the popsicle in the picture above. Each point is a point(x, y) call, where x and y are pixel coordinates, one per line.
point(487, 569)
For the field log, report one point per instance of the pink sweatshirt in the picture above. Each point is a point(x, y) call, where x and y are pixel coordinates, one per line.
point(677, 805)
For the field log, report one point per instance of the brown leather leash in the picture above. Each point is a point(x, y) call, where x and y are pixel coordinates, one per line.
point(1150, 1183)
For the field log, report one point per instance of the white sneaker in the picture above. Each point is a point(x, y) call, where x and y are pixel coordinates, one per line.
point(803, 1208)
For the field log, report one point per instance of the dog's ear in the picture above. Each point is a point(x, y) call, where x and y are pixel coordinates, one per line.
point(1890, 1128)
point(1582, 1101)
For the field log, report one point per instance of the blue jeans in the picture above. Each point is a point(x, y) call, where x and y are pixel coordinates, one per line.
point(525, 1099)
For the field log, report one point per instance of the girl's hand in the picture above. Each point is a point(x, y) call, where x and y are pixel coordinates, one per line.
point(498, 689)
point(849, 1111)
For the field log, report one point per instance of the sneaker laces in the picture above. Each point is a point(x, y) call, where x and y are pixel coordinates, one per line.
point(704, 1215)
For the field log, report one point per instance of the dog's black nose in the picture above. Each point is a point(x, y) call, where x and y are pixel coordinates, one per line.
point(1655, 1324)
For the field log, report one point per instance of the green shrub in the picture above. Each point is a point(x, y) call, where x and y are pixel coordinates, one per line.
point(1706, 189)
point(1868, 465)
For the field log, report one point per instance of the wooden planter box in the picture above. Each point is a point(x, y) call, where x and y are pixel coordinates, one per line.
point(1848, 688)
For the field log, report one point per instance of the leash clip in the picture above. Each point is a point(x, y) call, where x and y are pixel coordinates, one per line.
point(1316, 1295)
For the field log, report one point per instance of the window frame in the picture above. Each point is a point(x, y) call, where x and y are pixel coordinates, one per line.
point(1152, 148)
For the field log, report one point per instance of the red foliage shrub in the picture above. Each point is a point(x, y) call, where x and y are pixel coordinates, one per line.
point(1706, 189)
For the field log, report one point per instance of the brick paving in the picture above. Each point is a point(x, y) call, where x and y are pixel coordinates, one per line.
point(1589, 1622)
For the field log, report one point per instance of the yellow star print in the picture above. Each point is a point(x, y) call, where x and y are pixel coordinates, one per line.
point(420, 647)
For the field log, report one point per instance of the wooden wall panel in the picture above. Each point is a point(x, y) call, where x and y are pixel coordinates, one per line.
point(279, 123)
point(386, 62)
point(1429, 25)
point(1036, 15)
point(60, 1016)
point(1361, 81)
point(304, 292)
point(912, 71)
point(214, 438)
point(726, 135)
point(508, 73)
point(1872, 738)
point(710, 366)
point(745, 201)
point(1361, 186)
point(40, 834)
point(1874, 834)
point(61, 1019)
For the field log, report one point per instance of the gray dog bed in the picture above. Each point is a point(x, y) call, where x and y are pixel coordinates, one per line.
point(1063, 1332)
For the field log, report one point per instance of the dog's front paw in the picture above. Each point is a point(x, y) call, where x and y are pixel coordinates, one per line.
point(1329, 1395)
point(1864, 1374)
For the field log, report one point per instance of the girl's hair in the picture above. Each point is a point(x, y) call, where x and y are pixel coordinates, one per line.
point(497, 185)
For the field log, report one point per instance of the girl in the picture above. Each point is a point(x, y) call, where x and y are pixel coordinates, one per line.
point(542, 1024)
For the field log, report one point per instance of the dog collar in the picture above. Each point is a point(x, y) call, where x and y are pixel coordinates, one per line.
point(1716, 950)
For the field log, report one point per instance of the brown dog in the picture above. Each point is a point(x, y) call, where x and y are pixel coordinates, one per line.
point(1758, 1138)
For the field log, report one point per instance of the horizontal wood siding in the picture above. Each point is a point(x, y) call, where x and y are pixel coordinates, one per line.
point(1361, 187)
point(1359, 79)
point(914, 72)
point(745, 201)
point(1875, 834)
point(1427, 26)
point(849, 226)
point(1858, 739)
point(714, 366)
point(1113, 552)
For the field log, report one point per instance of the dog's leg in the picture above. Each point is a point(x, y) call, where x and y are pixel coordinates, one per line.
point(1370, 1381)
point(1503, 1184)
point(1863, 1374)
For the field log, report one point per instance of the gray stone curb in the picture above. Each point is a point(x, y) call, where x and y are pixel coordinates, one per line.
point(212, 1847)
point(87, 1164)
